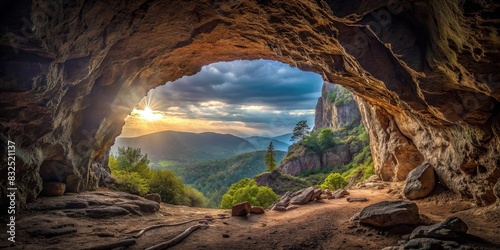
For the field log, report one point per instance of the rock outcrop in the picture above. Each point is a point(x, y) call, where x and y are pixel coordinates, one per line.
point(335, 109)
point(426, 72)
point(335, 115)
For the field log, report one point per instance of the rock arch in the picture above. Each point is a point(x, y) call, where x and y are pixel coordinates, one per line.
point(72, 71)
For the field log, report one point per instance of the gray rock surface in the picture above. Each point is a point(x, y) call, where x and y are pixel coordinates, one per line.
point(97, 205)
point(302, 197)
point(453, 228)
point(390, 213)
point(420, 182)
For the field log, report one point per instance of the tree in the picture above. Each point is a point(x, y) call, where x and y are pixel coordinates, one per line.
point(131, 160)
point(326, 139)
point(300, 131)
point(269, 158)
point(334, 181)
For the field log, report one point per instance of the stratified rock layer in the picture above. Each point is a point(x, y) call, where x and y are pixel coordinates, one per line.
point(71, 71)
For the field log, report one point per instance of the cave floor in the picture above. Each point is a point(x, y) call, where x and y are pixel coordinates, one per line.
point(317, 225)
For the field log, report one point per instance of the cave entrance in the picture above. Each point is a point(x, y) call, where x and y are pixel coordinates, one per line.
point(213, 128)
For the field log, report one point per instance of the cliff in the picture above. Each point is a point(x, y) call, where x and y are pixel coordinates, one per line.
point(336, 110)
point(71, 71)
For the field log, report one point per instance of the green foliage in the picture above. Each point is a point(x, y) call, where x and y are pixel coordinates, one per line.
point(301, 130)
point(131, 182)
point(130, 169)
point(326, 139)
point(339, 96)
point(126, 180)
point(334, 181)
point(269, 158)
point(321, 140)
point(131, 160)
point(247, 190)
point(213, 178)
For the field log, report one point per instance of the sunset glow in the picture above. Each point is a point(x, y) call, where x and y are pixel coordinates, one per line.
point(147, 114)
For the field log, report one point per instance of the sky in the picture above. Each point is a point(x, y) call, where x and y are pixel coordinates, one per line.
point(243, 98)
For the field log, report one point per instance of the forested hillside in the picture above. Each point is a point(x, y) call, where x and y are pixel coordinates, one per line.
point(213, 178)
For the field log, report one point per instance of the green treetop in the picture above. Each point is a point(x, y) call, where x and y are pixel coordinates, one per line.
point(300, 131)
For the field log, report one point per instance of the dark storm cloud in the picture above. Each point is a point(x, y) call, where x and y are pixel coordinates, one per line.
point(248, 91)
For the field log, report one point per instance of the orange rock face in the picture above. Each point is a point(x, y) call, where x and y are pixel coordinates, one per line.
point(71, 72)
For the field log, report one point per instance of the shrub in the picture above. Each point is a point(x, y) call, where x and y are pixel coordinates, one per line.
point(130, 182)
point(168, 186)
point(247, 190)
point(326, 139)
point(334, 181)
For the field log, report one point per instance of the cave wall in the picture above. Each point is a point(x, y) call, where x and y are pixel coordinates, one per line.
point(71, 71)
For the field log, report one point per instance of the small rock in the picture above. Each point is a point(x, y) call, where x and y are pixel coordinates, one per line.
point(361, 199)
point(390, 213)
point(241, 209)
point(153, 197)
point(53, 188)
point(303, 196)
point(453, 228)
point(420, 182)
point(340, 194)
point(257, 210)
point(73, 183)
point(225, 235)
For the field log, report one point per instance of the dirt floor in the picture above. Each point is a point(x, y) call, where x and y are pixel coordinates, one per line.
point(318, 225)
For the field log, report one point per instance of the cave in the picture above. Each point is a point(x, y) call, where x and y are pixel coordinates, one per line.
point(424, 73)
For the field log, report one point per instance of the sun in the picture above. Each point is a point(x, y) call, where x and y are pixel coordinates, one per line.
point(149, 114)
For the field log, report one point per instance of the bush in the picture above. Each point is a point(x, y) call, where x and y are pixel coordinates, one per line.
point(193, 197)
point(334, 181)
point(130, 182)
point(326, 139)
point(247, 190)
point(130, 168)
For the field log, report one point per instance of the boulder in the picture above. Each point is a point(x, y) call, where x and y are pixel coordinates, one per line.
point(257, 210)
point(390, 213)
point(53, 188)
point(431, 244)
point(317, 194)
point(303, 196)
point(338, 194)
point(241, 209)
point(420, 182)
point(153, 197)
point(283, 201)
point(453, 228)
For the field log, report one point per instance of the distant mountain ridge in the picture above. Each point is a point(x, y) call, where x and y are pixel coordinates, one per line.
point(186, 147)
point(263, 142)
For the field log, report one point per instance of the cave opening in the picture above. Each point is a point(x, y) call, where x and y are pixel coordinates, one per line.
point(233, 110)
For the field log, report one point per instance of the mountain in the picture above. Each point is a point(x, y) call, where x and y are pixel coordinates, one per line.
point(263, 142)
point(185, 147)
point(284, 138)
point(214, 178)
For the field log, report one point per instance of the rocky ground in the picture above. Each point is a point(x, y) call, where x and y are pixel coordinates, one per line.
point(92, 218)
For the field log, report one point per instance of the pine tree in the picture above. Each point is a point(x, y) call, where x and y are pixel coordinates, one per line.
point(300, 131)
point(269, 158)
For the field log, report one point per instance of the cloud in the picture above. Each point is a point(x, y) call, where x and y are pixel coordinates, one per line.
point(250, 92)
